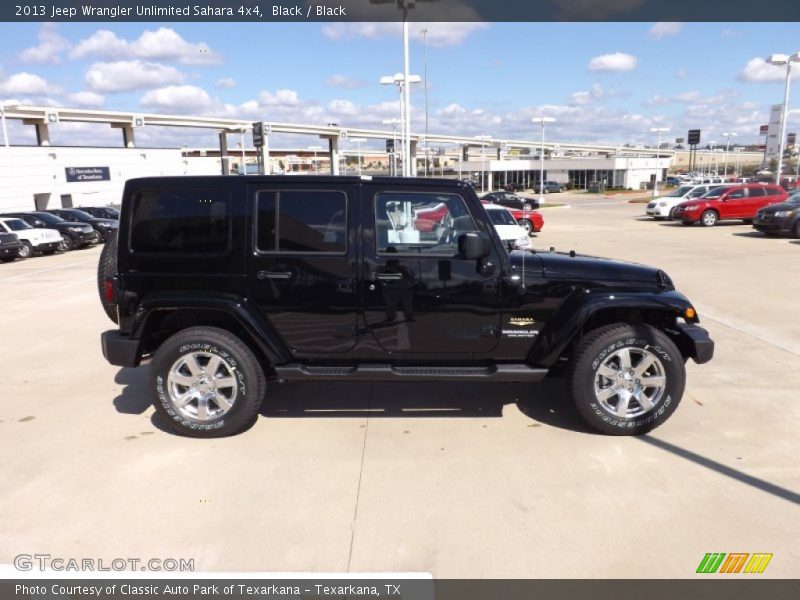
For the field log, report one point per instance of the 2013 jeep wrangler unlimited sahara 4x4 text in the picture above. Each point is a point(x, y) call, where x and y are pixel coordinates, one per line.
point(225, 283)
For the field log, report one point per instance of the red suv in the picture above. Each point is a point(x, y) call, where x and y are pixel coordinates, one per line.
point(733, 202)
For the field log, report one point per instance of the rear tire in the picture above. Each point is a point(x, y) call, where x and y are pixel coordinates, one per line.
point(67, 243)
point(189, 378)
point(107, 267)
point(797, 229)
point(626, 378)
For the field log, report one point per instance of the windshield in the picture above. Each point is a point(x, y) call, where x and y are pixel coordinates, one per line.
point(501, 217)
point(680, 192)
point(17, 225)
point(715, 192)
point(48, 218)
point(79, 214)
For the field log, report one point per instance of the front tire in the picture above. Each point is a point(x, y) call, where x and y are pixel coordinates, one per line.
point(797, 229)
point(26, 251)
point(709, 218)
point(526, 225)
point(626, 378)
point(205, 382)
point(527, 206)
point(67, 243)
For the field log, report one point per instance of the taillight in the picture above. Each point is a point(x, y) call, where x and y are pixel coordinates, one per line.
point(110, 292)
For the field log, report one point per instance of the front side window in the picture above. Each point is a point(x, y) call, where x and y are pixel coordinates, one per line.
point(181, 222)
point(17, 225)
point(420, 223)
point(757, 192)
point(305, 221)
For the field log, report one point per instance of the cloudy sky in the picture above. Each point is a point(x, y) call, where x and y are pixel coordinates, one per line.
point(603, 82)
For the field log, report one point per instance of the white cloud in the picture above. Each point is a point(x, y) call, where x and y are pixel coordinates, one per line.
point(279, 98)
point(664, 29)
point(178, 98)
point(439, 34)
point(49, 48)
point(618, 61)
point(759, 70)
point(86, 98)
point(126, 76)
point(226, 82)
point(657, 100)
point(162, 44)
point(25, 83)
point(583, 98)
point(344, 82)
point(681, 73)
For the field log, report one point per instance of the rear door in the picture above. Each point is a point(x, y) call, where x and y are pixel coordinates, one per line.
point(301, 270)
point(756, 198)
point(421, 299)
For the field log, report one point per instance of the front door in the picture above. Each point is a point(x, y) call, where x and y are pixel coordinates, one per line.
point(302, 265)
point(421, 299)
point(734, 205)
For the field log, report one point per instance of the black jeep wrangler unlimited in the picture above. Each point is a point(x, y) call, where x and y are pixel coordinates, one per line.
point(226, 283)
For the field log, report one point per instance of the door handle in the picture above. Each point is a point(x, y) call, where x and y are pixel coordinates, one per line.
point(274, 275)
point(390, 276)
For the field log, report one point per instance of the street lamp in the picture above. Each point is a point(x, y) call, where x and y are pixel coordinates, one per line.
point(659, 131)
point(358, 142)
point(542, 121)
point(783, 59)
point(399, 80)
point(727, 149)
point(425, 33)
point(483, 139)
point(4, 106)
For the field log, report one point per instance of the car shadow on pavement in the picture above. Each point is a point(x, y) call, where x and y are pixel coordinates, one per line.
point(134, 399)
point(741, 477)
point(381, 400)
point(549, 403)
point(752, 234)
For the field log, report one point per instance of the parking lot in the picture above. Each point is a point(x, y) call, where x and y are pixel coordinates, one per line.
point(460, 480)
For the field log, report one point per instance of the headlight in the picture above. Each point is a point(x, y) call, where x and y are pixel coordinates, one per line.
point(783, 213)
point(662, 204)
point(76, 229)
point(101, 225)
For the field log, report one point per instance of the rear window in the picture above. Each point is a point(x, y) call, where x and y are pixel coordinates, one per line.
point(181, 222)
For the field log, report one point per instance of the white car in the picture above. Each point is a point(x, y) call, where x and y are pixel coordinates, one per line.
point(33, 239)
point(512, 235)
point(663, 206)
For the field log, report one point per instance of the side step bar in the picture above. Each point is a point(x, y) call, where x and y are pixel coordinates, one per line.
point(506, 372)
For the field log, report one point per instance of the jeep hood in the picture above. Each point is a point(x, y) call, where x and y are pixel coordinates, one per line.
point(560, 265)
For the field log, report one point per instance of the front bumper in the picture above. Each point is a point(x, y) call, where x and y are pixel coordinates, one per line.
point(119, 350)
point(772, 225)
point(695, 342)
point(7, 250)
point(47, 246)
point(86, 238)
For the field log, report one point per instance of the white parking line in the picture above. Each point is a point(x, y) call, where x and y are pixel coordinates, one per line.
point(40, 271)
point(61, 287)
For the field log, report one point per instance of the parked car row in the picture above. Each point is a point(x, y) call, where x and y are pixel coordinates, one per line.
point(521, 209)
point(768, 207)
point(539, 188)
point(61, 229)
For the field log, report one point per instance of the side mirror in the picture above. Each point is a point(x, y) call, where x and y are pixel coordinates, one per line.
point(474, 245)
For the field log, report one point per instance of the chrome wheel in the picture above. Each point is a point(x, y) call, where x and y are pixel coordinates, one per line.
point(202, 386)
point(630, 382)
point(26, 251)
point(709, 218)
point(526, 225)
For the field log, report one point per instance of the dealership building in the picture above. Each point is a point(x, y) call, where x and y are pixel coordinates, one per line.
point(43, 176)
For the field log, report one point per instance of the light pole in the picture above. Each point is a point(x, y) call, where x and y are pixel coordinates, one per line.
point(399, 80)
point(315, 149)
point(393, 157)
point(783, 59)
point(483, 139)
point(659, 131)
point(727, 149)
point(542, 121)
point(424, 33)
point(4, 106)
point(358, 142)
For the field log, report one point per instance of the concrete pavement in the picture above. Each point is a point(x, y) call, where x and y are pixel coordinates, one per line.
point(460, 480)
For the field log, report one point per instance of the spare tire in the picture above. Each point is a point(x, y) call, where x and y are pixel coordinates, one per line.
point(107, 267)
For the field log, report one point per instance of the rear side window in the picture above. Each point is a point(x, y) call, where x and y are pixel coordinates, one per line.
point(181, 222)
point(305, 221)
